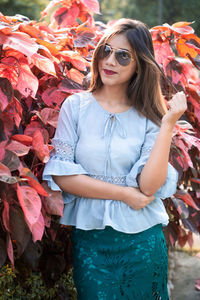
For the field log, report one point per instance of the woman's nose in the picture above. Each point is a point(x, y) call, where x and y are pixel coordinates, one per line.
point(111, 58)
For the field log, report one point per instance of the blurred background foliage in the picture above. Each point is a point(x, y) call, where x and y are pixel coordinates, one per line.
point(151, 12)
point(28, 8)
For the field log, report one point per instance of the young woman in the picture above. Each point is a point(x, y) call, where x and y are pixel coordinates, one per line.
point(111, 156)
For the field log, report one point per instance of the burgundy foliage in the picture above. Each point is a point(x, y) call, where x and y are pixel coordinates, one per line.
point(41, 65)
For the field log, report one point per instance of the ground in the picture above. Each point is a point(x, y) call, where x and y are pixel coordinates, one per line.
point(186, 271)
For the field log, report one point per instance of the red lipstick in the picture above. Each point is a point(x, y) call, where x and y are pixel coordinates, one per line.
point(109, 72)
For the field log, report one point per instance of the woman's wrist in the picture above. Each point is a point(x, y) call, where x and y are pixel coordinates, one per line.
point(120, 193)
point(168, 126)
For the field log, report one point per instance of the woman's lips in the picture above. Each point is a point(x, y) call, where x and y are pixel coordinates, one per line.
point(109, 72)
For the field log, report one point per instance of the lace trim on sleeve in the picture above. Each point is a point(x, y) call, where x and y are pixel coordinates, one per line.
point(118, 180)
point(146, 150)
point(63, 150)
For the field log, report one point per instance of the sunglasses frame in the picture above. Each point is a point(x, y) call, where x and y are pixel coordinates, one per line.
point(118, 49)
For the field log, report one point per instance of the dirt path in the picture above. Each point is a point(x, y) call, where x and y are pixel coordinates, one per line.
point(187, 270)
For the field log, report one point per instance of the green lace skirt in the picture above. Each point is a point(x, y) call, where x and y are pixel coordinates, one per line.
point(111, 265)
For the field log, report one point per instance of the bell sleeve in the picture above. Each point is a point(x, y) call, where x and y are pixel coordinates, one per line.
point(169, 186)
point(62, 160)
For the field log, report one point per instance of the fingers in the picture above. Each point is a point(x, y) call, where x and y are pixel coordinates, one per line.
point(177, 105)
point(179, 100)
point(147, 200)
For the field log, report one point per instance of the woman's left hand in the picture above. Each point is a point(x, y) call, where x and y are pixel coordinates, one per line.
point(177, 106)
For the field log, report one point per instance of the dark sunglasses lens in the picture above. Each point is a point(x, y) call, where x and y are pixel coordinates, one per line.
point(106, 51)
point(123, 57)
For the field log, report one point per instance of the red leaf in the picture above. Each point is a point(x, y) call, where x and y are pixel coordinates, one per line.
point(19, 230)
point(75, 75)
point(191, 140)
point(49, 116)
point(52, 234)
point(18, 148)
point(182, 28)
point(6, 93)
point(3, 252)
point(51, 5)
point(184, 149)
point(161, 33)
point(182, 237)
point(27, 83)
point(66, 17)
point(11, 160)
point(10, 250)
point(4, 170)
point(195, 180)
point(31, 30)
point(92, 5)
point(9, 68)
point(191, 45)
point(49, 46)
point(36, 185)
point(5, 214)
point(53, 96)
point(7, 125)
point(32, 180)
point(77, 61)
point(37, 229)
point(22, 138)
point(181, 24)
point(43, 63)
point(5, 28)
point(186, 198)
point(19, 41)
point(190, 239)
point(195, 61)
point(172, 241)
point(181, 207)
point(30, 203)
point(33, 127)
point(47, 219)
point(17, 111)
point(184, 45)
point(41, 150)
point(53, 203)
point(69, 86)
point(84, 37)
point(2, 150)
point(162, 51)
point(173, 69)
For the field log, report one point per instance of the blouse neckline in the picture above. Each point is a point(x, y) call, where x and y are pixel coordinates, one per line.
point(108, 112)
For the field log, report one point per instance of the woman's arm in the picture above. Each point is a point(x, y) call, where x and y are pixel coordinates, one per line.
point(85, 186)
point(154, 172)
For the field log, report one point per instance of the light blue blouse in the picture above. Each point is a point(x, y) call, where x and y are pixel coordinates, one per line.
point(111, 147)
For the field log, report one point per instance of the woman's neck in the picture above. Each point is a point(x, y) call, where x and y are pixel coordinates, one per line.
point(113, 95)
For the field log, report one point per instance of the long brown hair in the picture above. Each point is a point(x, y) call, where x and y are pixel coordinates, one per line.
point(143, 91)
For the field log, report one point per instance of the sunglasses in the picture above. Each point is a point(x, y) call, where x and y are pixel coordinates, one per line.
point(123, 57)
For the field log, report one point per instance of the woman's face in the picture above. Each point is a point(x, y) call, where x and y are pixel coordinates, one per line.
point(112, 73)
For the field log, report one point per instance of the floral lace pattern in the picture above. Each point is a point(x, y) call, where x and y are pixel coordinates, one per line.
point(146, 150)
point(119, 180)
point(111, 265)
point(63, 150)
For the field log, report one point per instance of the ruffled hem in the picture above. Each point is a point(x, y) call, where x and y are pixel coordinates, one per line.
point(166, 190)
point(89, 214)
point(60, 168)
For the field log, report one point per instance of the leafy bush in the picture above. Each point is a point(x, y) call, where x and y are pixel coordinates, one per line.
point(13, 285)
point(41, 65)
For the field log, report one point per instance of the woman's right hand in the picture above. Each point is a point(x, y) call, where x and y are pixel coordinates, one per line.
point(136, 199)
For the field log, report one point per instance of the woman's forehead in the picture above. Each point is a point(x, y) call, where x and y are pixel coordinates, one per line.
point(119, 41)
